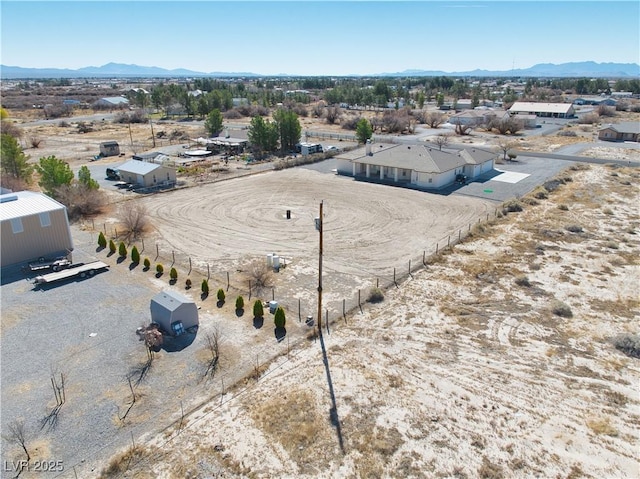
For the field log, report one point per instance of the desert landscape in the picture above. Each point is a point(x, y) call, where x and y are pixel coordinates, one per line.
point(502, 357)
point(497, 360)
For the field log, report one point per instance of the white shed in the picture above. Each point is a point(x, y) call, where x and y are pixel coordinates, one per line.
point(173, 312)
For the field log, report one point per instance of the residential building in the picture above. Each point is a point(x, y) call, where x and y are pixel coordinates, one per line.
point(33, 225)
point(414, 166)
point(547, 110)
point(147, 175)
point(624, 131)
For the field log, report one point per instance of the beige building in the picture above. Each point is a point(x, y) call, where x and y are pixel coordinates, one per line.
point(33, 225)
point(146, 174)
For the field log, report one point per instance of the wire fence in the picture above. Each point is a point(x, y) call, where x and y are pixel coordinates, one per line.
point(260, 360)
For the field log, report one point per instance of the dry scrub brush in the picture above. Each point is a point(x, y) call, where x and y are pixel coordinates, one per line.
point(259, 276)
point(134, 219)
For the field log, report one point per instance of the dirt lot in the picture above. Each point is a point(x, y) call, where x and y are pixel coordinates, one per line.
point(495, 361)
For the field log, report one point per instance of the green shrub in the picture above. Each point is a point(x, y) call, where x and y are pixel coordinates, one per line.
point(523, 280)
point(173, 274)
point(135, 255)
point(204, 287)
point(512, 206)
point(258, 309)
point(221, 295)
point(187, 284)
point(279, 319)
point(122, 250)
point(541, 193)
point(112, 247)
point(102, 241)
point(159, 268)
point(376, 296)
point(147, 264)
point(239, 303)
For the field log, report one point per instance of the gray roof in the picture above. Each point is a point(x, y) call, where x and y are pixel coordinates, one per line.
point(26, 203)
point(419, 158)
point(114, 100)
point(139, 167)
point(170, 300)
point(624, 127)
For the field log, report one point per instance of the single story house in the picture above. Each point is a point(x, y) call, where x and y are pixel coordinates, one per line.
point(109, 148)
point(147, 174)
point(463, 104)
point(547, 110)
point(475, 117)
point(173, 312)
point(33, 225)
point(624, 131)
point(594, 100)
point(418, 166)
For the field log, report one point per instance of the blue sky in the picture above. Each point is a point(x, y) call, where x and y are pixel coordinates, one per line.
point(318, 38)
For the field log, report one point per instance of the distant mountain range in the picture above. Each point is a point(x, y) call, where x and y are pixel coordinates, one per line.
point(118, 70)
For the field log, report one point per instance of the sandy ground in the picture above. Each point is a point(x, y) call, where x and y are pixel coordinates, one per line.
point(368, 229)
point(461, 371)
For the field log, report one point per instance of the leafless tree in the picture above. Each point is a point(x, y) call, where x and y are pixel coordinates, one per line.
point(604, 110)
point(16, 434)
point(318, 109)
point(434, 119)
point(213, 340)
point(35, 141)
point(442, 140)
point(134, 218)
point(258, 276)
point(505, 145)
point(80, 200)
point(462, 129)
point(332, 114)
point(507, 125)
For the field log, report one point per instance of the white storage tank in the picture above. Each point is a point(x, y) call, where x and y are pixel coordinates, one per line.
point(276, 262)
point(270, 260)
point(273, 305)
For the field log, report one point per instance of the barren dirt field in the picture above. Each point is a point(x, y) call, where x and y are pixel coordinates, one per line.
point(495, 361)
point(368, 229)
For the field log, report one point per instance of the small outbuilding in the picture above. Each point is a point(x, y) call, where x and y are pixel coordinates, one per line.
point(173, 312)
point(147, 175)
point(109, 148)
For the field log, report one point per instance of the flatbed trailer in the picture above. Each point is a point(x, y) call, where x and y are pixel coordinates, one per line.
point(82, 270)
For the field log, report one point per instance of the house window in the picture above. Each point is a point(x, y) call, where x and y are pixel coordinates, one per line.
point(154, 178)
point(168, 177)
point(430, 180)
point(16, 225)
point(45, 219)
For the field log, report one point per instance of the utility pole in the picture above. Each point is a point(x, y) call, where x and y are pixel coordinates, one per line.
point(319, 228)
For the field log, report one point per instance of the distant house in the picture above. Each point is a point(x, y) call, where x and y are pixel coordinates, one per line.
point(547, 110)
point(463, 104)
point(109, 148)
point(146, 175)
point(625, 131)
point(595, 100)
point(173, 312)
point(417, 166)
point(33, 225)
point(71, 102)
point(476, 117)
point(112, 102)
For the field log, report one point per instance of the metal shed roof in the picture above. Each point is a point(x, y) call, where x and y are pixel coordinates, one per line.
point(139, 167)
point(26, 203)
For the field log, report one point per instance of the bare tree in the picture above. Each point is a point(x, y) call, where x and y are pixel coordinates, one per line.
point(604, 110)
point(462, 129)
point(332, 114)
point(505, 145)
point(507, 125)
point(318, 109)
point(434, 119)
point(213, 345)
point(134, 219)
point(17, 434)
point(442, 140)
point(259, 276)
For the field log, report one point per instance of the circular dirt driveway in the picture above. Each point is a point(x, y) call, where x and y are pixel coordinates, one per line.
point(369, 229)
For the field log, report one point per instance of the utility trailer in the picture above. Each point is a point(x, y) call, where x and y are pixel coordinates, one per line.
point(81, 270)
point(57, 264)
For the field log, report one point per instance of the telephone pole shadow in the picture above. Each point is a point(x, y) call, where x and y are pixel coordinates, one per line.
point(333, 411)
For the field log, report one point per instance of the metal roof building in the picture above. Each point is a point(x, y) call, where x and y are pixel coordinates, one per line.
point(173, 312)
point(33, 225)
point(549, 110)
point(146, 174)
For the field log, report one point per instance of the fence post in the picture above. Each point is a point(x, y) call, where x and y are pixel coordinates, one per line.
point(449, 241)
point(424, 255)
point(105, 228)
point(190, 267)
point(208, 273)
point(410, 269)
point(273, 294)
point(326, 320)
point(157, 251)
point(394, 277)
point(142, 240)
point(173, 255)
point(459, 235)
point(249, 290)
point(436, 248)
point(227, 281)
point(299, 315)
point(344, 312)
point(359, 302)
